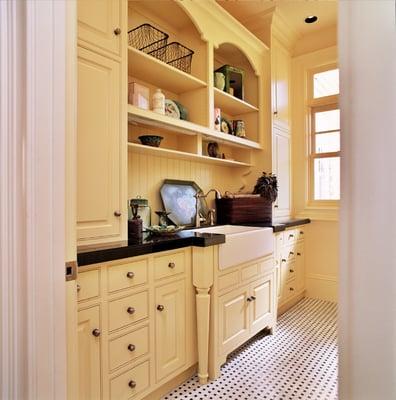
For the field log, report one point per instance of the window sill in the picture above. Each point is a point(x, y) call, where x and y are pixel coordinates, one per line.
point(316, 213)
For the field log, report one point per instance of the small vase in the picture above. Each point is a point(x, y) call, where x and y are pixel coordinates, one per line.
point(219, 80)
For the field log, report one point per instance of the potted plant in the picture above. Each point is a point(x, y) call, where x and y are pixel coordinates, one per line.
point(267, 187)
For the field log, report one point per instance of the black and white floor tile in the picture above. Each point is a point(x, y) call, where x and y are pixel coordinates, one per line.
point(298, 362)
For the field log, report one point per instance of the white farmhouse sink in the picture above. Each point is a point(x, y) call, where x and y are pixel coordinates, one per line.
point(243, 243)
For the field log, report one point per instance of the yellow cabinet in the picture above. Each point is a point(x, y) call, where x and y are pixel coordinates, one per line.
point(170, 328)
point(100, 24)
point(281, 168)
point(262, 306)
point(89, 359)
point(233, 319)
point(99, 137)
point(281, 66)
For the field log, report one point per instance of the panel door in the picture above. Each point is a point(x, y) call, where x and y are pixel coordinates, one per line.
point(233, 319)
point(98, 21)
point(170, 329)
point(281, 63)
point(98, 147)
point(262, 307)
point(281, 167)
point(300, 266)
point(89, 359)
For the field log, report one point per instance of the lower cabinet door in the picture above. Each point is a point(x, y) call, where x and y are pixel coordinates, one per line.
point(89, 360)
point(170, 328)
point(262, 306)
point(233, 319)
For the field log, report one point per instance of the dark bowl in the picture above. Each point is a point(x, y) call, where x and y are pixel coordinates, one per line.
point(151, 140)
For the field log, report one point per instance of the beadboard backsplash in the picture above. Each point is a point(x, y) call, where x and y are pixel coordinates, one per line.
point(146, 174)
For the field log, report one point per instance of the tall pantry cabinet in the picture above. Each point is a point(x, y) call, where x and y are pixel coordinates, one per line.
point(101, 121)
point(281, 124)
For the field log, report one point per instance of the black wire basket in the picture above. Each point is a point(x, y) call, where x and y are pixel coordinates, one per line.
point(147, 38)
point(175, 54)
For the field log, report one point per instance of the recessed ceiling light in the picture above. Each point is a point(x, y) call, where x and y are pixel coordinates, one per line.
point(311, 19)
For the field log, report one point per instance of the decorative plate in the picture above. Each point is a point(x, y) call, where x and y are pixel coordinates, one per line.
point(171, 109)
point(178, 199)
point(225, 126)
point(160, 230)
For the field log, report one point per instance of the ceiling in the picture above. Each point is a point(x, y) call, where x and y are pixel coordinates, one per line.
point(293, 12)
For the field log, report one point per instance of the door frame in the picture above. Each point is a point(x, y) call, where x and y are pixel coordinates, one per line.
point(33, 104)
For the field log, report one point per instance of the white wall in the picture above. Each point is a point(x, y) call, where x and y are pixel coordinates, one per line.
point(367, 326)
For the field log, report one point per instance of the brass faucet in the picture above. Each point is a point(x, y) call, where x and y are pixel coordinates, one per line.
point(201, 195)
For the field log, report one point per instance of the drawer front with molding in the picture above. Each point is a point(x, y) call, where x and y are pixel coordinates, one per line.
point(128, 310)
point(250, 272)
point(288, 254)
point(130, 383)
point(228, 280)
point(289, 290)
point(301, 232)
point(289, 272)
point(290, 236)
point(169, 265)
point(127, 276)
point(128, 347)
point(88, 285)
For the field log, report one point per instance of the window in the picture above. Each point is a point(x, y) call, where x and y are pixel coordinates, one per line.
point(325, 137)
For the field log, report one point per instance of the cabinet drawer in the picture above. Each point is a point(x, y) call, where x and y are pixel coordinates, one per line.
point(128, 347)
point(301, 232)
point(130, 383)
point(228, 280)
point(266, 265)
point(169, 265)
point(126, 276)
point(288, 255)
point(128, 310)
point(289, 272)
point(290, 236)
point(289, 290)
point(250, 272)
point(88, 285)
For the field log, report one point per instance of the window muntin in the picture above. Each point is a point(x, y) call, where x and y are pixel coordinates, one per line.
point(326, 83)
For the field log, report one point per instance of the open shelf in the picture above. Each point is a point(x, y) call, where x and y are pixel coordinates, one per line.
point(149, 69)
point(152, 119)
point(231, 104)
point(159, 151)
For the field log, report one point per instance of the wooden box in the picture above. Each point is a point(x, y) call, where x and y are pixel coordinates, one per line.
point(243, 209)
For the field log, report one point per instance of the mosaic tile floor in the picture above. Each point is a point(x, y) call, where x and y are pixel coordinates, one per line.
point(298, 362)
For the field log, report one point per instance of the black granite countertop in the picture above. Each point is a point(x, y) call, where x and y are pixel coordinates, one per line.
point(149, 244)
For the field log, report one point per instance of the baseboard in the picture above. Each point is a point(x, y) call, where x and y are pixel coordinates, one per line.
point(322, 287)
point(290, 303)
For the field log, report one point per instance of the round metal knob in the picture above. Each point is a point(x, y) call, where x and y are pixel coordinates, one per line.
point(249, 299)
point(96, 332)
point(130, 310)
point(291, 236)
point(275, 112)
point(117, 214)
point(78, 287)
point(291, 253)
point(130, 274)
point(301, 232)
point(253, 297)
point(131, 347)
point(117, 31)
point(291, 270)
point(276, 206)
point(283, 260)
point(172, 265)
point(291, 289)
point(132, 384)
point(299, 254)
point(160, 307)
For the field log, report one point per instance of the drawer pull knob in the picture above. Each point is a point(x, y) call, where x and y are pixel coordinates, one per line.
point(117, 214)
point(291, 289)
point(130, 310)
point(249, 299)
point(283, 260)
point(276, 206)
point(299, 254)
point(132, 384)
point(96, 332)
point(291, 236)
point(291, 270)
point(291, 253)
point(131, 347)
point(301, 232)
point(117, 31)
point(78, 287)
point(160, 307)
point(253, 297)
point(130, 274)
point(172, 265)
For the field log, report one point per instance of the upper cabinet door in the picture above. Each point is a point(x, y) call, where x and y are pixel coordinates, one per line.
point(100, 24)
point(280, 85)
point(99, 132)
